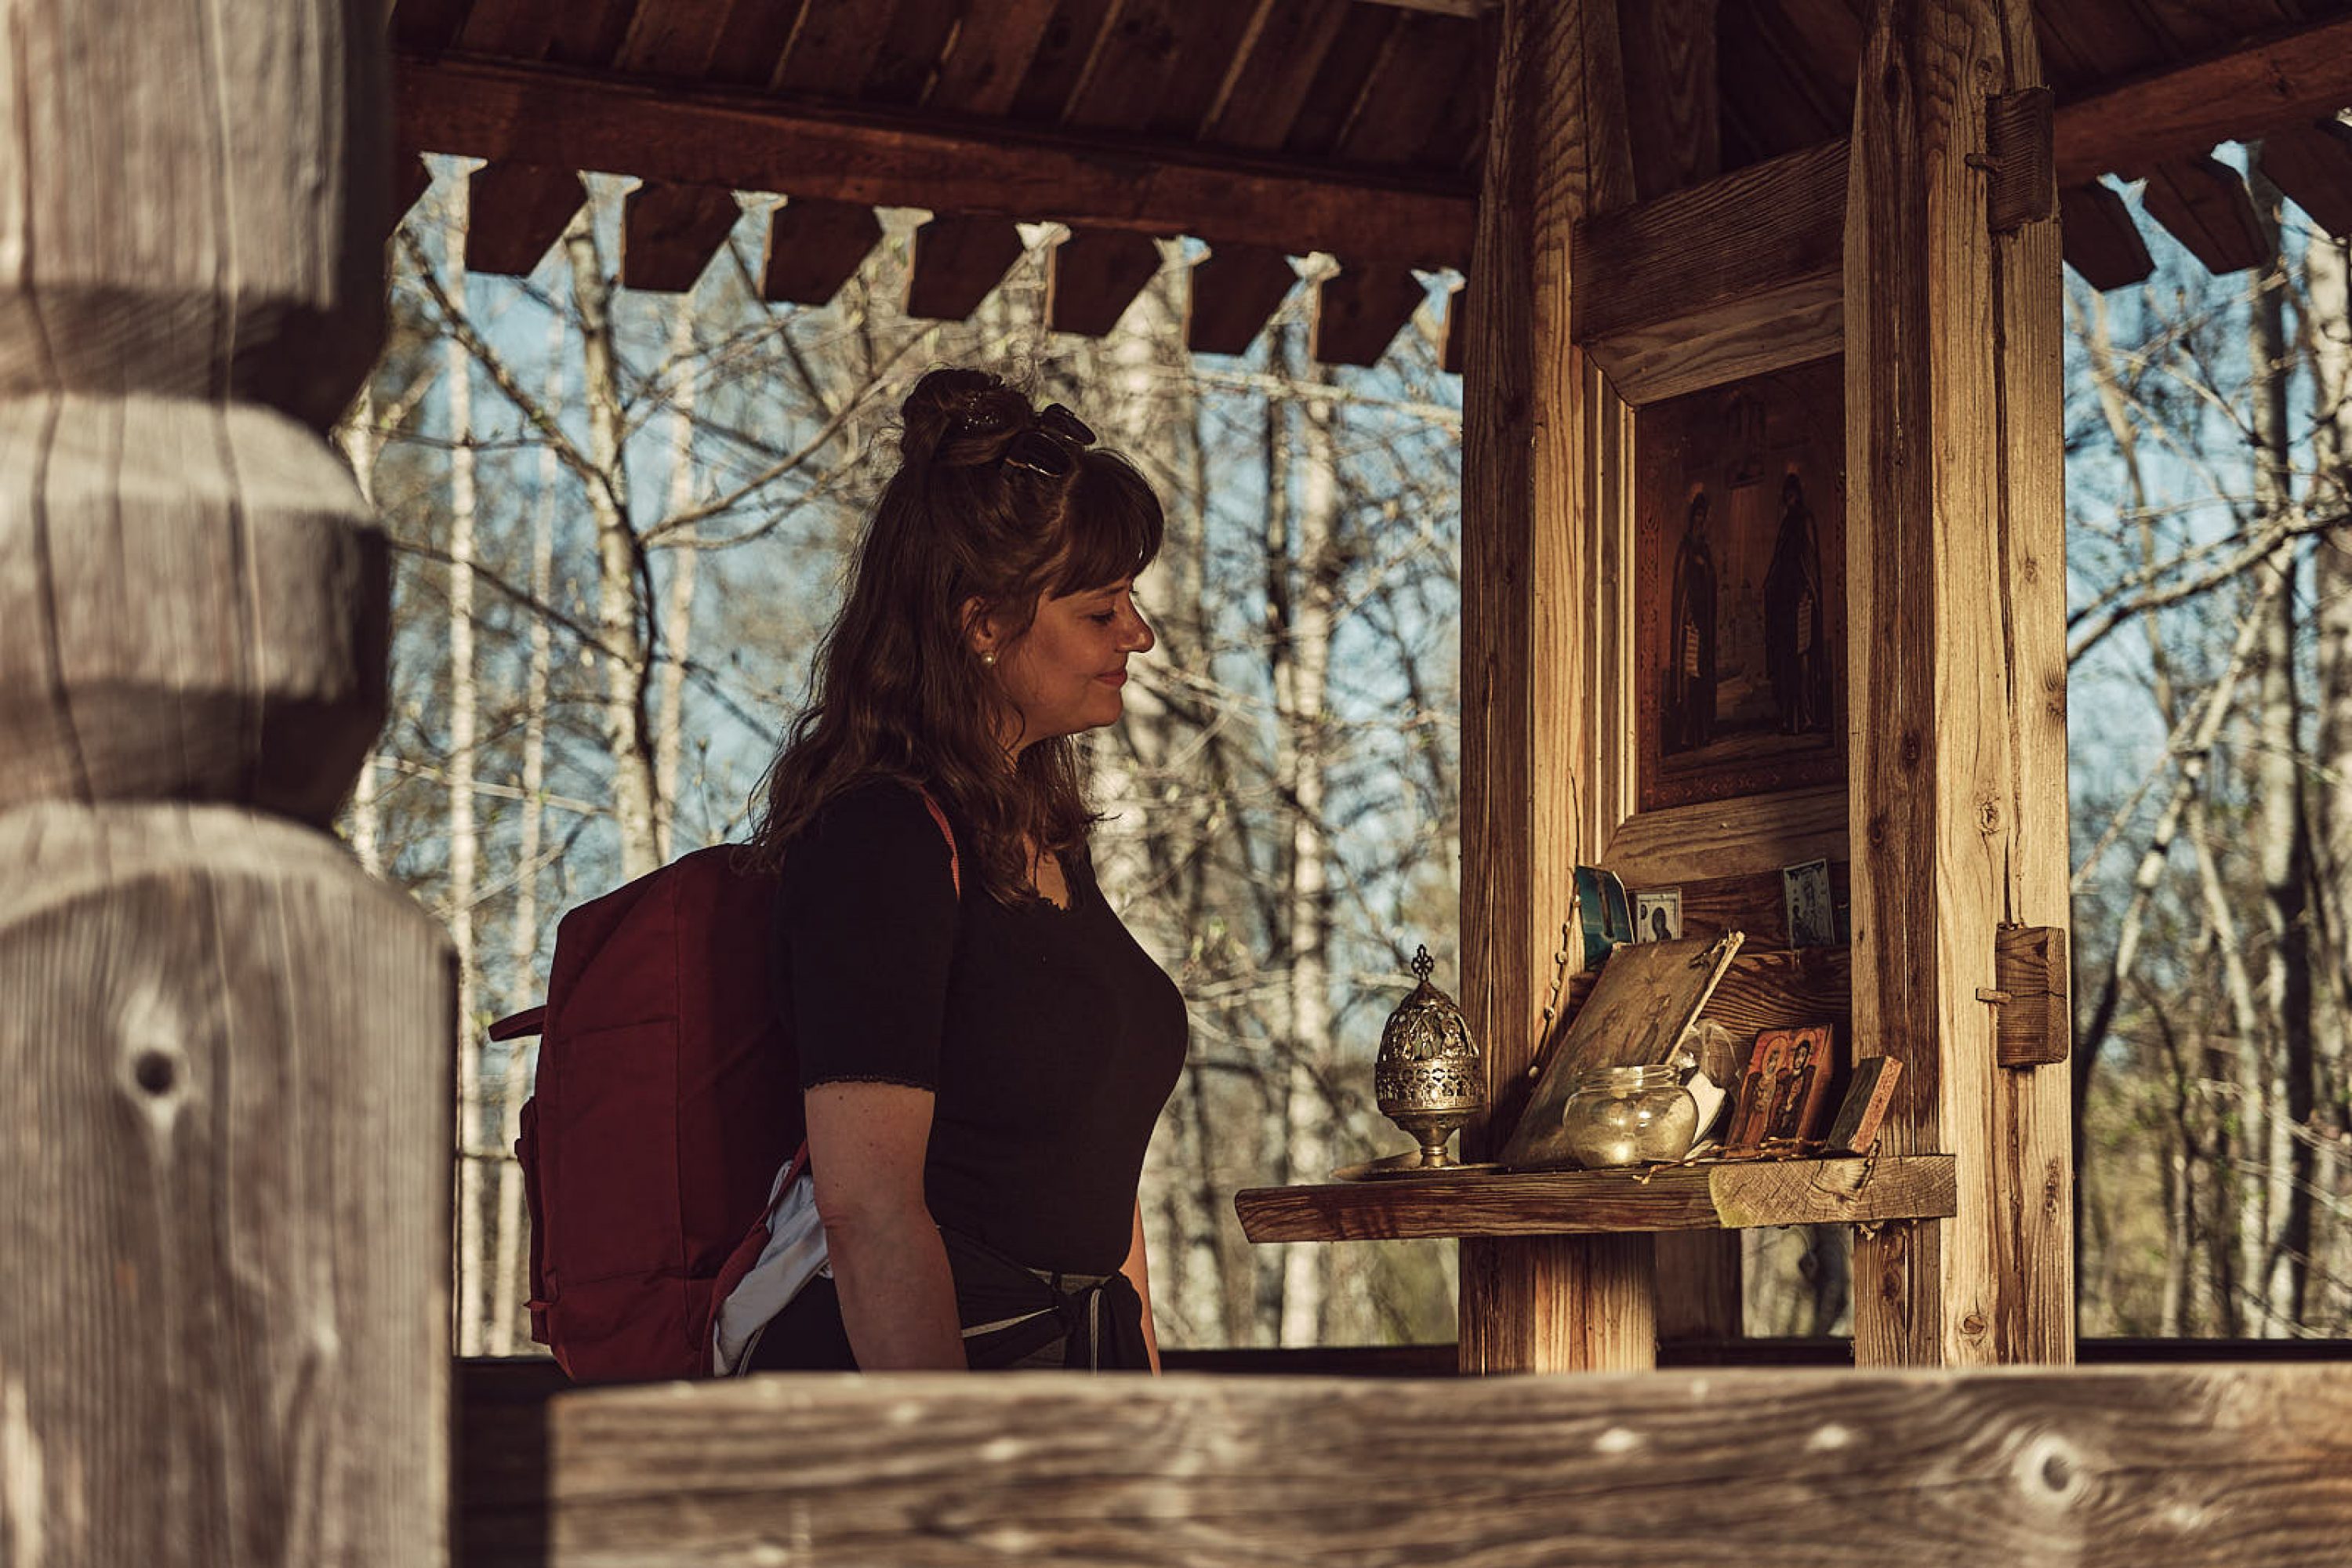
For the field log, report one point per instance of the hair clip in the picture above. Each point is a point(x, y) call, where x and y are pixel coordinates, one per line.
point(1050, 447)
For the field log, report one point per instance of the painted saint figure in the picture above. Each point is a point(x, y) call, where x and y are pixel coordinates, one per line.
point(1688, 719)
point(1794, 656)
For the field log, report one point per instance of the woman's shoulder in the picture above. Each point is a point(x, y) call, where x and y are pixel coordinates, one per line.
point(876, 824)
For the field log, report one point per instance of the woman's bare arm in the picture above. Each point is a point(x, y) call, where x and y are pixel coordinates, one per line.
point(866, 1144)
point(1138, 1269)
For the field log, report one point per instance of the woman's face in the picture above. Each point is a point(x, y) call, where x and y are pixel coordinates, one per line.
point(1064, 674)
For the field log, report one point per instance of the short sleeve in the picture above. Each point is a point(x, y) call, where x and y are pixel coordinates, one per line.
point(864, 932)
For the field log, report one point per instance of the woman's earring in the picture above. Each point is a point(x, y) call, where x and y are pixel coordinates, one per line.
point(988, 658)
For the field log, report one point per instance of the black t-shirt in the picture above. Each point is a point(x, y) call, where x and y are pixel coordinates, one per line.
point(1049, 1037)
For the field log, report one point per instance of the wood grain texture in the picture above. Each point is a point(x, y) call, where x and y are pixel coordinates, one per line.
point(225, 1086)
point(1718, 1196)
point(2102, 241)
point(1757, 231)
point(1755, 904)
point(2286, 78)
point(1532, 752)
point(2199, 1467)
point(2030, 970)
point(1728, 838)
point(1360, 310)
point(1094, 275)
point(2204, 203)
point(516, 212)
point(192, 599)
point(731, 138)
point(670, 233)
point(1950, 439)
point(2313, 164)
point(815, 247)
point(1755, 335)
point(958, 262)
point(1672, 95)
point(1231, 296)
point(213, 232)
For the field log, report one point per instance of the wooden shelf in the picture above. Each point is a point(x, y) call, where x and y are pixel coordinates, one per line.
point(1721, 1195)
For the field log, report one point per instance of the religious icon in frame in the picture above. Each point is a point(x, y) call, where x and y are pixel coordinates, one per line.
point(1740, 576)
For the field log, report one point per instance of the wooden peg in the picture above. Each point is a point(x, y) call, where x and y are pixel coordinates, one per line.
point(2030, 978)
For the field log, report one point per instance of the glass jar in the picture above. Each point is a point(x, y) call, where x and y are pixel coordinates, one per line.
point(1629, 1116)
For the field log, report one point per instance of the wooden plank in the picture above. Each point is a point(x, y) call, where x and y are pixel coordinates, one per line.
point(1751, 336)
point(1458, 331)
point(991, 54)
point(2199, 1467)
point(426, 24)
point(1729, 837)
point(1359, 311)
point(1672, 94)
point(919, 35)
point(1408, 90)
point(814, 248)
point(956, 262)
point(1094, 275)
point(1757, 231)
point(1532, 754)
point(1232, 294)
point(670, 233)
point(2033, 1115)
point(1068, 43)
point(674, 39)
point(1949, 552)
point(2288, 78)
point(1324, 110)
point(516, 212)
point(1715, 1195)
point(1700, 1295)
point(749, 142)
point(2203, 202)
point(2031, 977)
point(2020, 186)
point(833, 45)
point(2101, 241)
point(1270, 80)
point(2313, 165)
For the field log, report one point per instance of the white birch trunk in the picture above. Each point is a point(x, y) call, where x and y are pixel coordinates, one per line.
point(464, 699)
point(522, 940)
point(678, 611)
point(1307, 1274)
point(619, 605)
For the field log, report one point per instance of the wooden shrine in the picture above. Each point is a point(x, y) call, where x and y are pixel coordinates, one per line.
point(226, 1054)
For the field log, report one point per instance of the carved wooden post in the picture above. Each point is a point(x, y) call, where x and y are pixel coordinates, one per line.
point(1535, 417)
point(1955, 523)
point(225, 1051)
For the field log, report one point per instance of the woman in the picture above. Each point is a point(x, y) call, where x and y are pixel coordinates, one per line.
point(983, 1048)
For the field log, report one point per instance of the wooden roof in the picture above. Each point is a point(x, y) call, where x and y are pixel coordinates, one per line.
point(1269, 128)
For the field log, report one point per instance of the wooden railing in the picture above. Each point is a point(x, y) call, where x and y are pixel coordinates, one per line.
point(2202, 1464)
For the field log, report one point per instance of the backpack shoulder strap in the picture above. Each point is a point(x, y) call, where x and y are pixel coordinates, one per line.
point(955, 861)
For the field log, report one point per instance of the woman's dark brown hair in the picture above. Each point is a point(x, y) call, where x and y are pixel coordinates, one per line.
point(897, 690)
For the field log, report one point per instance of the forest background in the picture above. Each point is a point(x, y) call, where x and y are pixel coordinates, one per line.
point(620, 520)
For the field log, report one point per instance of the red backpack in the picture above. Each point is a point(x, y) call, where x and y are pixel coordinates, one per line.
point(667, 1100)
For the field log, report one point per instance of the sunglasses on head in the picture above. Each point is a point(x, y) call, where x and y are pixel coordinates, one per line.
point(1051, 447)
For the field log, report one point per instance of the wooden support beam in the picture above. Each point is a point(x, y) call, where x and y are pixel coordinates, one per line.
point(2312, 164)
point(1094, 275)
point(2100, 240)
point(1360, 310)
point(1535, 420)
point(1457, 327)
point(814, 248)
point(1232, 294)
point(516, 212)
point(225, 1056)
point(2203, 202)
point(957, 261)
point(703, 135)
point(2192, 1466)
point(2287, 78)
point(670, 233)
point(1672, 96)
point(1955, 526)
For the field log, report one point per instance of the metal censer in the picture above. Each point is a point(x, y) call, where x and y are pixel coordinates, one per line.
point(1428, 1079)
